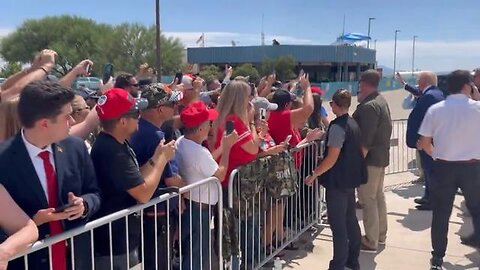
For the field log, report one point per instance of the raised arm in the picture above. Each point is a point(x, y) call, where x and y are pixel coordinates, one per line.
point(21, 229)
point(79, 70)
point(41, 66)
point(300, 115)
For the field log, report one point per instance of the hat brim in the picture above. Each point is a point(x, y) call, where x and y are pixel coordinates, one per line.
point(140, 104)
point(272, 107)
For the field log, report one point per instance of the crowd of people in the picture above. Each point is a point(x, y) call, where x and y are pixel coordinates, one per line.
point(86, 154)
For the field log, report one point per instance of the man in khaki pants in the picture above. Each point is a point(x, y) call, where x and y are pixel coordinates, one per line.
point(373, 118)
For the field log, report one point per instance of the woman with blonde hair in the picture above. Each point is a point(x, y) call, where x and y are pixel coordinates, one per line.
point(236, 111)
point(9, 121)
point(234, 107)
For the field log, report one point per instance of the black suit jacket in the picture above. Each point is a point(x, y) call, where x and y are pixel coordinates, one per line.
point(75, 173)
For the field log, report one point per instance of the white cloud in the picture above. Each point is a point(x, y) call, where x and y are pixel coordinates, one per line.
point(225, 38)
point(5, 31)
point(430, 55)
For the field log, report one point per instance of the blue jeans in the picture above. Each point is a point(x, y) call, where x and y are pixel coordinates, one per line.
point(200, 238)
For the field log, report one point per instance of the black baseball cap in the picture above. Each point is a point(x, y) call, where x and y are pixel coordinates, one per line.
point(281, 97)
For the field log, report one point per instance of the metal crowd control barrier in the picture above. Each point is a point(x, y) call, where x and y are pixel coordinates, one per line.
point(402, 158)
point(265, 224)
point(199, 258)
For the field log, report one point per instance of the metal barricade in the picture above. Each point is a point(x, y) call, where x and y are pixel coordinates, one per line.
point(267, 224)
point(153, 219)
point(402, 158)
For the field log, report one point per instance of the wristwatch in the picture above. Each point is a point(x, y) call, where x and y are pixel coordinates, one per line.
point(85, 211)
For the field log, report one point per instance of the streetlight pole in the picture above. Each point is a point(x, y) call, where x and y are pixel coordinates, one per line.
point(369, 23)
point(413, 54)
point(395, 54)
point(158, 65)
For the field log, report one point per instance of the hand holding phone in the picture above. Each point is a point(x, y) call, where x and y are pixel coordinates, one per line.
point(88, 69)
point(62, 208)
point(179, 77)
point(263, 114)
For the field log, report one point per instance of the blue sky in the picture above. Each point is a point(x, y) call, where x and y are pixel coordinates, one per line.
point(449, 34)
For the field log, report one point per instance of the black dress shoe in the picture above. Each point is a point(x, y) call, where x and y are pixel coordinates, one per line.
point(470, 241)
point(436, 264)
point(424, 207)
point(421, 201)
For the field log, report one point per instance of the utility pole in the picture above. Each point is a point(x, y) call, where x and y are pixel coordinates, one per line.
point(263, 32)
point(158, 65)
point(395, 54)
point(369, 23)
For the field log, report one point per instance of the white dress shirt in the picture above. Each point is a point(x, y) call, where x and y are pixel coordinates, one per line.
point(37, 161)
point(454, 125)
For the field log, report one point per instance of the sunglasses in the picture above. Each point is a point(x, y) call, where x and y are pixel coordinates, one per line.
point(134, 114)
point(135, 84)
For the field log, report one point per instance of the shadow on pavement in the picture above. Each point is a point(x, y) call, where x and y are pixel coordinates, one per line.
point(414, 220)
point(305, 246)
point(472, 257)
point(408, 190)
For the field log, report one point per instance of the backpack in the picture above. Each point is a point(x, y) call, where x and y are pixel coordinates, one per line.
point(282, 178)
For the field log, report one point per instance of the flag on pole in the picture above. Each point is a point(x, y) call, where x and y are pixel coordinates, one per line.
point(201, 39)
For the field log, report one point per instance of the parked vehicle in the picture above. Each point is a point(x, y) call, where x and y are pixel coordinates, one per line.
point(92, 83)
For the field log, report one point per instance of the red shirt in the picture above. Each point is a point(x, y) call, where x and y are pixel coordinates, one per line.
point(280, 126)
point(238, 156)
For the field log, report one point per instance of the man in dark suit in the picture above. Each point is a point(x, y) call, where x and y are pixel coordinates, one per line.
point(43, 169)
point(427, 83)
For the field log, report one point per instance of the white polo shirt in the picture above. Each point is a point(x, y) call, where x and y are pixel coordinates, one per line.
point(196, 163)
point(454, 125)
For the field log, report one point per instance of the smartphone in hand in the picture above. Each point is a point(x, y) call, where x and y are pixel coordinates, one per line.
point(229, 127)
point(107, 72)
point(88, 69)
point(179, 77)
point(62, 208)
point(263, 114)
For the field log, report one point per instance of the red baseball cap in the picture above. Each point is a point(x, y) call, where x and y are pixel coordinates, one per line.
point(317, 89)
point(116, 102)
point(197, 113)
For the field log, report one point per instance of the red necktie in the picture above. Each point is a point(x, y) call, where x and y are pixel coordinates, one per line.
point(59, 250)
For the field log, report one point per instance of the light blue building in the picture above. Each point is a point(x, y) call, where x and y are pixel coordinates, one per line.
point(324, 63)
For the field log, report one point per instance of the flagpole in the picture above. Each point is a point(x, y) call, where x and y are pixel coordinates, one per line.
point(203, 40)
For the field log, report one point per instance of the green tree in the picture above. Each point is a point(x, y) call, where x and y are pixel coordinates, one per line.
point(284, 66)
point(9, 69)
point(246, 70)
point(267, 67)
point(75, 38)
point(210, 73)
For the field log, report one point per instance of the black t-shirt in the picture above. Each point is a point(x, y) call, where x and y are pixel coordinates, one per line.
point(117, 171)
